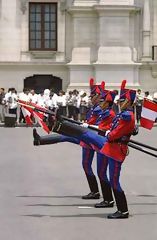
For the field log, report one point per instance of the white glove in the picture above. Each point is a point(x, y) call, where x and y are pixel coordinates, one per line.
point(85, 125)
point(94, 126)
point(107, 132)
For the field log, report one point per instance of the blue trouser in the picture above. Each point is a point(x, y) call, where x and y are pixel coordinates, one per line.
point(90, 137)
point(114, 174)
point(102, 164)
point(64, 138)
point(87, 159)
point(114, 171)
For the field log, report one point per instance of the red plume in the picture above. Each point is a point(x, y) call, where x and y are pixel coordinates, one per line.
point(91, 82)
point(123, 84)
point(103, 85)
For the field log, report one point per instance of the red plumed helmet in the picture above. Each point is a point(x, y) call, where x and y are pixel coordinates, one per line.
point(123, 84)
point(125, 93)
point(91, 82)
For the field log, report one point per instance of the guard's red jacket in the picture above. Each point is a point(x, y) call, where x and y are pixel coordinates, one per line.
point(122, 127)
point(105, 119)
point(93, 114)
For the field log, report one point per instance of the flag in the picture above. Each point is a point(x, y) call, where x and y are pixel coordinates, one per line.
point(29, 109)
point(149, 114)
point(40, 119)
point(27, 115)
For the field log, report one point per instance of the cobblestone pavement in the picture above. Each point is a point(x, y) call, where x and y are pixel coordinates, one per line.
point(41, 190)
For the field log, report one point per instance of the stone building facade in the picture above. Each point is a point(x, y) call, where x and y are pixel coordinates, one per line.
point(110, 40)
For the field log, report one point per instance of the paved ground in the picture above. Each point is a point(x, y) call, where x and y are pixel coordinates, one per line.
point(41, 190)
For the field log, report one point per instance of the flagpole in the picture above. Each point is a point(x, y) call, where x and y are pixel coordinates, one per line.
point(143, 145)
point(141, 149)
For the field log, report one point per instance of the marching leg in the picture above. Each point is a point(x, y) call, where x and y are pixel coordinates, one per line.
point(121, 202)
point(102, 164)
point(87, 159)
point(121, 206)
point(93, 185)
point(52, 138)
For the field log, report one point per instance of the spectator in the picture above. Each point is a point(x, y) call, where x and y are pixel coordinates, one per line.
point(33, 97)
point(2, 105)
point(11, 101)
point(138, 104)
point(155, 97)
point(46, 94)
point(41, 99)
point(76, 101)
point(51, 103)
point(61, 103)
point(70, 104)
point(24, 96)
point(148, 96)
point(83, 105)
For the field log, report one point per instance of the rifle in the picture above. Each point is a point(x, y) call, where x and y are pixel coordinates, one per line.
point(141, 149)
point(132, 143)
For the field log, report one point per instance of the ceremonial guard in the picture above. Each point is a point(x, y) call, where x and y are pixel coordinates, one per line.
point(116, 149)
point(104, 123)
point(87, 151)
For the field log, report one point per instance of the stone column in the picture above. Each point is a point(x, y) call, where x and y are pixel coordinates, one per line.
point(155, 23)
point(9, 31)
point(24, 27)
point(146, 55)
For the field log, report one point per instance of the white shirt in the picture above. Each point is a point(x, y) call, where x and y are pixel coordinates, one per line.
point(84, 101)
point(11, 100)
point(41, 101)
point(149, 97)
point(33, 98)
point(61, 100)
point(24, 97)
point(51, 103)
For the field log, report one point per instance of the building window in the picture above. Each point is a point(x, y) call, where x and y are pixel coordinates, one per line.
point(43, 26)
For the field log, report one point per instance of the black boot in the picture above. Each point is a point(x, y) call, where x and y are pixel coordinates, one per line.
point(121, 206)
point(93, 185)
point(44, 140)
point(104, 204)
point(107, 195)
point(91, 195)
point(36, 137)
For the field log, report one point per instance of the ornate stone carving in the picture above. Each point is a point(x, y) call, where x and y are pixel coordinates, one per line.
point(24, 6)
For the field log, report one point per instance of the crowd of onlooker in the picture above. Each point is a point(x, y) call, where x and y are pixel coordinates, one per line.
point(73, 104)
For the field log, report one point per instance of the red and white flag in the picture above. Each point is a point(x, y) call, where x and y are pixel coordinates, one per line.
point(27, 115)
point(40, 119)
point(149, 114)
point(28, 110)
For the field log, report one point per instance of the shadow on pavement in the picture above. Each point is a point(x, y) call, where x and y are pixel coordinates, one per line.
point(61, 205)
point(146, 195)
point(85, 204)
point(33, 196)
point(101, 215)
